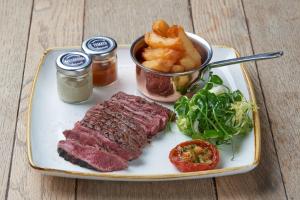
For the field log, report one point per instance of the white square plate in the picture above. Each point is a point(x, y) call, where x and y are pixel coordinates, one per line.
point(49, 117)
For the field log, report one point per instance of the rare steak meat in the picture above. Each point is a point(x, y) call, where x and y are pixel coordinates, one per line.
point(89, 137)
point(133, 131)
point(147, 105)
point(90, 157)
point(112, 129)
point(115, 112)
point(140, 105)
point(113, 132)
point(152, 125)
point(135, 122)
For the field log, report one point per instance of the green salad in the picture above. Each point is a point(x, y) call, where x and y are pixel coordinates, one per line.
point(214, 113)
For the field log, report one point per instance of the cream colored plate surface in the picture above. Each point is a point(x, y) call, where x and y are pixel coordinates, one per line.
point(48, 117)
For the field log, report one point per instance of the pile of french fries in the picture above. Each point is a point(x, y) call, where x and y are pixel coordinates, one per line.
point(169, 49)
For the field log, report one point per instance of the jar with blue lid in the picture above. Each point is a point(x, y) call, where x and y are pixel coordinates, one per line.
point(74, 77)
point(103, 52)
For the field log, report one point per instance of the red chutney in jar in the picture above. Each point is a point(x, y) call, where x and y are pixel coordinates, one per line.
point(104, 59)
point(104, 73)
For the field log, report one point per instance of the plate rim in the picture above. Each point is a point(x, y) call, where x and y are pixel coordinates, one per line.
point(111, 176)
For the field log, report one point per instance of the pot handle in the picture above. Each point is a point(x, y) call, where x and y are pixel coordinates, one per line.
point(262, 56)
point(204, 71)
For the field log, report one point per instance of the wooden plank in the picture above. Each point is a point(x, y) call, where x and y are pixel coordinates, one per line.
point(125, 21)
point(191, 190)
point(223, 22)
point(14, 27)
point(54, 23)
point(275, 25)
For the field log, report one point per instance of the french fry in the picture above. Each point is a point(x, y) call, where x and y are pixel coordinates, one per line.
point(189, 48)
point(160, 27)
point(162, 53)
point(172, 31)
point(187, 62)
point(167, 46)
point(177, 68)
point(158, 65)
point(157, 41)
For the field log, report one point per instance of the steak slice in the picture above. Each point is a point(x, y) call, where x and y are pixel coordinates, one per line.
point(152, 122)
point(90, 157)
point(151, 126)
point(134, 122)
point(83, 138)
point(134, 131)
point(108, 144)
point(112, 129)
point(115, 113)
point(155, 111)
point(151, 106)
point(101, 142)
point(150, 114)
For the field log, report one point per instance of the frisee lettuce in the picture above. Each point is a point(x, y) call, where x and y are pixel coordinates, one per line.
point(214, 113)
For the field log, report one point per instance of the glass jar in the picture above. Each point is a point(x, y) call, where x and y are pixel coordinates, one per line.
point(102, 50)
point(74, 77)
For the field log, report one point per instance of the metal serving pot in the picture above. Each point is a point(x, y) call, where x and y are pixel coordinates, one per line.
point(168, 87)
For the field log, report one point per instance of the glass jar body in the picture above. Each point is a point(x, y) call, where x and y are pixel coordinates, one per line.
point(74, 89)
point(104, 70)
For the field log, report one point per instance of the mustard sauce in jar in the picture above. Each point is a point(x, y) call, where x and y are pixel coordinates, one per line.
point(74, 77)
point(102, 50)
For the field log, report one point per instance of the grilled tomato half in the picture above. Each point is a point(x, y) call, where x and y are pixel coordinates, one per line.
point(194, 155)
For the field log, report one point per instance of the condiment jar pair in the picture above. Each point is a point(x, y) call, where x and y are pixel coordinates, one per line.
point(77, 72)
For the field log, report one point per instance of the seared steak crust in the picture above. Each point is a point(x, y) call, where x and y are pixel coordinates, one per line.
point(112, 129)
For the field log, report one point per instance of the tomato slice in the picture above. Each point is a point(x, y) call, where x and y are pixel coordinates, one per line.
point(194, 155)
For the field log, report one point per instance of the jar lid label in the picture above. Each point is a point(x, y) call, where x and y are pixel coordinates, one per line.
point(99, 45)
point(73, 63)
point(73, 60)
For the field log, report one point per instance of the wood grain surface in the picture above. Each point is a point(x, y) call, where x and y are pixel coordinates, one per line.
point(223, 22)
point(126, 20)
point(138, 16)
point(54, 23)
point(275, 25)
point(14, 28)
point(29, 27)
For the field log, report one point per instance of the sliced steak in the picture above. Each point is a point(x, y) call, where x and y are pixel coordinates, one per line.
point(151, 126)
point(135, 131)
point(90, 157)
point(114, 132)
point(150, 114)
point(118, 112)
point(151, 106)
point(83, 138)
point(133, 120)
point(108, 144)
point(89, 138)
point(128, 122)
point(141, 105)
point(113, 129)
point(151, 121)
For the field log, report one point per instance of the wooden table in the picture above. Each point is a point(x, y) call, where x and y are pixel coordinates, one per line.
point(29, 27)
